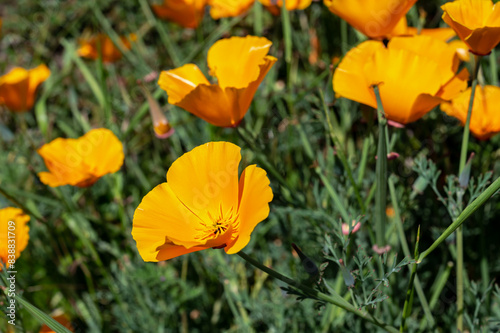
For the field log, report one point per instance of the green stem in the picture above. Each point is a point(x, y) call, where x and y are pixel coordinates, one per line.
point(257, 19)
point(334, 299)
point(493, 68)
point(287, 32)
point(460, 237)
point(381, 170)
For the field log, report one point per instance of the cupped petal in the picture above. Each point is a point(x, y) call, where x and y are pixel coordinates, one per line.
point(179, 82)
point(481, 41)
point(223, 107)
point(229, 8)
point(254, 197)
point(161, 221)
point(37, 75)
point(236, 61)
point(484, 121)
point(374, 18)
point(206, 179)
point(403, 77)
point(349, 79)
point(426, 46)
point(470, 14)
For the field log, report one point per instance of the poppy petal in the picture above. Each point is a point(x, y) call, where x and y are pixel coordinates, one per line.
point(254, 197)
point(179, 82)
point(160, 219)
point(349, 80)
point(248, 52)
point(206, 179)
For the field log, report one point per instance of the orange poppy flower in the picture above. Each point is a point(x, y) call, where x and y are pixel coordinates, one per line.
point(274, 5)
point(13, 234)
point(187, 13)
point(228, 8)
point(81, 162)
point(18, 87)
point(239, 64)
point(374, 18)
point(202, 205)
point(414, 75)
point(477, 23)
point(101, 44)
point(461, 48)
point(161, 126)
point(485, 120)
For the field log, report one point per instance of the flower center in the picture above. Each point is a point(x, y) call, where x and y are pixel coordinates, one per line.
point(219, 229)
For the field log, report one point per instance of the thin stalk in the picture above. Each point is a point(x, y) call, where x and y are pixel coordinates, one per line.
point(460, 237)
point(334, 299)
point(287, 32)
point(257, 19)
point(381, 170)
point(493, 68)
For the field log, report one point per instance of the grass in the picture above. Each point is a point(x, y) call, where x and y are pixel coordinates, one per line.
point(82, 259)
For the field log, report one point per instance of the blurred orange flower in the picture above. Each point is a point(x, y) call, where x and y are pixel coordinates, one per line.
point(187, 13)
point(274, 5)
point(202, 205)
point(476, 22)
point(18, 87)
point(374, 18)
point(461, 48)
point(81, 162)
point(61, 319)
point(485, 119)
point(414, 75)
point(91, 47)
point(228, 8)
point(12, 222)
point(239, 64)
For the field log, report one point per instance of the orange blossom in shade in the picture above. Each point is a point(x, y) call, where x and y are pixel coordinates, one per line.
point(274, 5)
point(485, 118)
point(61, 319)
point(18, 87)
point(187, 13)
point(414, 74)
point(81, 162)
point(12, 220)
point(228, 8)
point(202, 205)
point(91, 47)
point(476, 22)
point(239, 64)
point(374, 18)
